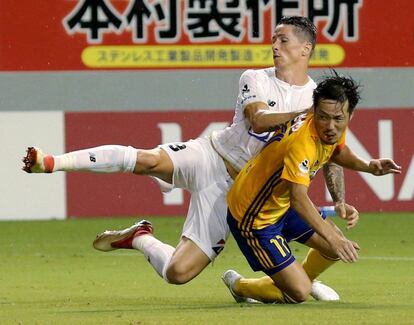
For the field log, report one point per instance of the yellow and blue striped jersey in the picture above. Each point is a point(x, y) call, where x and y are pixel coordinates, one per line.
point(260, 195)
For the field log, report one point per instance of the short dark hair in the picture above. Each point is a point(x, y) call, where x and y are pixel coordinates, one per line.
point(302, 25)
point(339, 88)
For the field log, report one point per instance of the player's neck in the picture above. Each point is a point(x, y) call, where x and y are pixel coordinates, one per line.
point(293, 76)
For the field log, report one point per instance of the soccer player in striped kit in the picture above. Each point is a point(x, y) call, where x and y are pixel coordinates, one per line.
point(268, 204)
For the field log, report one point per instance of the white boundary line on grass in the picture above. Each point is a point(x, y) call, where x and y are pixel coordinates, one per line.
point(388, 258)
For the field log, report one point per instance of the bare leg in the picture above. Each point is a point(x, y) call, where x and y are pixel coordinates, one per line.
point(178, 265)
point(294, 282)
point(175, 265)
point(187, 262)
point(154, 162)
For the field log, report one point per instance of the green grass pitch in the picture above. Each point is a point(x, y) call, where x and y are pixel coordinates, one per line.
point(50, 274)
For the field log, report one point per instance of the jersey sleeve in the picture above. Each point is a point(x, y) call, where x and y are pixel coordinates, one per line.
point(250, 89)
point(298, 161)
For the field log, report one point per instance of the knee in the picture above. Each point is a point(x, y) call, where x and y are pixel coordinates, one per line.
point(300, 294)
point(177, 274)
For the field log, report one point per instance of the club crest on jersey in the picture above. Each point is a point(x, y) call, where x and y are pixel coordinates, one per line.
point(304, 166)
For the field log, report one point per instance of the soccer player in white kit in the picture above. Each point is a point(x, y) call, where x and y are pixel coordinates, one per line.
point(206, 166)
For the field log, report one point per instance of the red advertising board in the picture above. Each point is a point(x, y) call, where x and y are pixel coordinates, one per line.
point(373, 133)
point(125, 195)
point(132, 34)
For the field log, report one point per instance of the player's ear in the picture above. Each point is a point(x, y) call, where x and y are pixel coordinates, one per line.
point(307, 49)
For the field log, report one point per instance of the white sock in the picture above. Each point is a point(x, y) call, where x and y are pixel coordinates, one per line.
point(103, 159)
point(157, 253)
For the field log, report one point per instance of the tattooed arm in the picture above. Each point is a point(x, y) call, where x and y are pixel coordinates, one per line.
point(334, 178)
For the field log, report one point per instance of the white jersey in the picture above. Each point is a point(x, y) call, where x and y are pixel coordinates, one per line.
point(238, 143)
point(199, 168)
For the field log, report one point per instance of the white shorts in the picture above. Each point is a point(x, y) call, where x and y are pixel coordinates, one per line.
point(199, 169)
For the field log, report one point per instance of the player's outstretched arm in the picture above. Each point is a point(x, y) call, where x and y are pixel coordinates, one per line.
point(378, 167)
point(262, 119)
point(384, 166)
